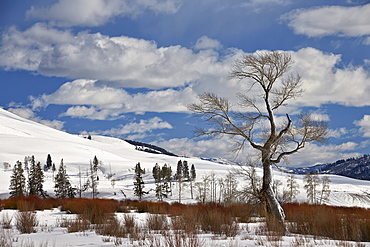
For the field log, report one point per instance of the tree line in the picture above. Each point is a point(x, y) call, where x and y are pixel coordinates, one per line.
point(28, 178)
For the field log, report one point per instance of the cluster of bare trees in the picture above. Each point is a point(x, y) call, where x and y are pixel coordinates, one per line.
point(317, 190)
point(228, 190)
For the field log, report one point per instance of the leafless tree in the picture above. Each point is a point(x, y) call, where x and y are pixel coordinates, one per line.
point(312, 181)
point(325, 189)
point(253, 121)
point(293, 188)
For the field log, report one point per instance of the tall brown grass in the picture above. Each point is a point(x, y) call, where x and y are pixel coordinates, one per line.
point(341, 223)
point(25, 219)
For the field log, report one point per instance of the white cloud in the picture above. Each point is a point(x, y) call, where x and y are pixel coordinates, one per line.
point(29, 114)
point(98, 12)
point(123, 61)
point(219, 148)
point(364, 125)
point(93, 101)
point(314, 154)
point(337, 133)
point(260, 5)
point(207, 43)
point(324, 83)
point(141, 127)
point(173, 75)
point(331, 20)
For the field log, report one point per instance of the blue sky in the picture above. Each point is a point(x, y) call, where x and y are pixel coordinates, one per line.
point(129, 68)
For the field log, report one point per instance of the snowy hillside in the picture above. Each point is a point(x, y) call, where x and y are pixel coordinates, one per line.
point(20, 137)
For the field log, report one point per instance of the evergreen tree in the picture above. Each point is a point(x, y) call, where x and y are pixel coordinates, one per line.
point(158, 177)
point(95, 163)
point(157, 173)
point(178, 174)
point(167, 176)
point(49, 162)
point(17, 181)
point(192, 177)
point(185, 170)
point(193, 173)
point(139, 182)
point(179, 177)
point(63, 188)
point(36, 179)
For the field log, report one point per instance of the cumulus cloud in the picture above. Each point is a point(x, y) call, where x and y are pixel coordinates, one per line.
point(364, 125)
point(93, 101)
point(219, 148)
point(207, 43)
point(98, 12)
point(314, 154)
point(331, 20)
point(324, 83)
point(142, 127)
point(173, 75)
point(30, 114)
point(123, 61)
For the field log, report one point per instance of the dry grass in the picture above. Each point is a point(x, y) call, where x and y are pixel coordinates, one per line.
point(25, 218)
point(6, 221)
point(350, 224)
point(157, 222)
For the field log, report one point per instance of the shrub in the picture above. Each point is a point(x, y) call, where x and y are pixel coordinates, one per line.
point(96, 211)
point(76, 225)
point(157, 222)
point(25, 219)
point(6, 221)
point(112, 227)
point(352, 224)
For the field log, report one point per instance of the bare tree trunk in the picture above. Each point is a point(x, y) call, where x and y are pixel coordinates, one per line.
point(272, 205)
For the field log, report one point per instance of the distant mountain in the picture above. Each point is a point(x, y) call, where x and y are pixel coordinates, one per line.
point(358, 168)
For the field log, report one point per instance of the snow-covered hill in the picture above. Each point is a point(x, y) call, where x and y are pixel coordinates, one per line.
point(20, 137)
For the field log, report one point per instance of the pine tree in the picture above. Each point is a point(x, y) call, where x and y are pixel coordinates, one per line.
point(193, 173)
point(49, 162)
point(139, 182)
point(192, 177)
point(36, 179)
point(179, 177)
point(17, 181)
point(179, 170)
point(96, 163)
point(185, 170)
point(167, 176)
point(158, 177)
point(63, 188)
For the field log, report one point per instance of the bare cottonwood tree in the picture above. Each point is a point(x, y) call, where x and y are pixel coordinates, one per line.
point(253, 120)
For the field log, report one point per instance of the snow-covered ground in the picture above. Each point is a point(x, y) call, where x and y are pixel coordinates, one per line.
point(50, 234)
point(20, 137)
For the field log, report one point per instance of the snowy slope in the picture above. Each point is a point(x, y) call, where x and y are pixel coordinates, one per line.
point(20, 137)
